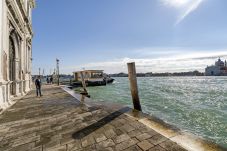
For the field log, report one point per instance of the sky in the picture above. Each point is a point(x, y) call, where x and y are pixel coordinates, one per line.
point(159, 35)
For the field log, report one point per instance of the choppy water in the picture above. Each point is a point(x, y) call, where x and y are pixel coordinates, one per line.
point(194, 104)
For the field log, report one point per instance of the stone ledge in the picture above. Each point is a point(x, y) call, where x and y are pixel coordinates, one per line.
point(188, 141)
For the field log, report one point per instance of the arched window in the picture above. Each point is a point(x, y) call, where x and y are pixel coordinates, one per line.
point(12, 55)
point(12, 64)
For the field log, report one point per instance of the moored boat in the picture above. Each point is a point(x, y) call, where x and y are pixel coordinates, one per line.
point(91, 78)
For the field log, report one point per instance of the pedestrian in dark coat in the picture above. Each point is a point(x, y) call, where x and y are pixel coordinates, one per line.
point(38, 86)
point(51, 80)
point(48, 80)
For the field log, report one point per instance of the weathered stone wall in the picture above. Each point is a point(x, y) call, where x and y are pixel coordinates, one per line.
point(1, 38)
point(15, 23)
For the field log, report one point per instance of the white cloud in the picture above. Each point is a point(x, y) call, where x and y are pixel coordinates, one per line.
point(176, 52)
point(154, 59)
point(175, 3)
point(178, 63)
point(185, 7)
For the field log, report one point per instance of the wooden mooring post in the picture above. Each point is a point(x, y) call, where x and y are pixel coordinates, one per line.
point(133, 85)
point(83, 84)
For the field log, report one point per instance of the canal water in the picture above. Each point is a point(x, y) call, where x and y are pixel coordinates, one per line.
point(194, 104)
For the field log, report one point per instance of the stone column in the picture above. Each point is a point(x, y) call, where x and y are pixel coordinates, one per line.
point(1, 40)
point(23, 63)
point(6, 49)
point(1, 47)
point(16, 72)
point(26, 67)
point(21, 67)
point(30, 68)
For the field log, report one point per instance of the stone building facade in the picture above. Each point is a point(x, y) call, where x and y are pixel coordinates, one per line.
point(219, 69)
point(15, 49)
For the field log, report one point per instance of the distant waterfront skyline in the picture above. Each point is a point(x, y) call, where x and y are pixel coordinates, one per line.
point(159, 35)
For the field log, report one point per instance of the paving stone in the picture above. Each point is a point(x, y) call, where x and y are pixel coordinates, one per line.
point(133, 148)
point(122, 120)
point(145, 129)
point(157, 148)
point(89, 148)
point(143, 136)
point(25, 140)
point(105, 143)
point(145, 145)
point(85, 114)
point(116, 123)
point(109, 149)
point(127, 128)
point(67, 133)
point(77, 117)
point(99, 137)
point(5, 148)
point(157, 139)
point(75, 145)
point(87, 141)
point(26, 125)
point(59, 148)
point(2, 127)
point(110, 133)
point(126, 144)
point(119, 132)
point(134, 133)
point(21, 133)
point(67, 140)
point(108, 126)
point(37, 149)
point(23, 147)
point(52, 144)
point(96, 112)
point(136, 124)
point(68, 125)
point(4, 130)
point(100, 130)
point(56, 137)
point(171, 146)
point(104, 149)
point(121, 138)
point(152, 132)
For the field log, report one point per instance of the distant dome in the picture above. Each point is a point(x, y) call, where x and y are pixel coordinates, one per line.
point(220, 63)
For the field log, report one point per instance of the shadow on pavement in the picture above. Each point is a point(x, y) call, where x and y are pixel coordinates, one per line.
point(91, 128)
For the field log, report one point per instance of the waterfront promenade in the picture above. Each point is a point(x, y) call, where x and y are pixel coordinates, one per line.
point(59, 122)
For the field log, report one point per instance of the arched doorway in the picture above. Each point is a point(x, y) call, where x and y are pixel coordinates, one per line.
point(12, 62)
point(212, 73)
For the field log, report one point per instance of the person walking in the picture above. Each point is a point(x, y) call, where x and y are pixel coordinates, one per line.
point(38, 86)
point(51, 80)
point(47, 79)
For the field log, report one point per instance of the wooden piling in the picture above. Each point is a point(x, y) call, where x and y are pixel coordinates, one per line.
point(133, 85)
point(70, 81)
point(57, 67)
point(83, 83)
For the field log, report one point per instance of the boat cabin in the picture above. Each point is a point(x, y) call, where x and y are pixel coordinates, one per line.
point(89, 75)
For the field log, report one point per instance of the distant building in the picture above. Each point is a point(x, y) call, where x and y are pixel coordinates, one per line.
point(15, 49)
point(219, 69)
point(89, 75)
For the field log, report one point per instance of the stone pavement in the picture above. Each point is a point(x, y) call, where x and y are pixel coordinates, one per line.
point(59, 122)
